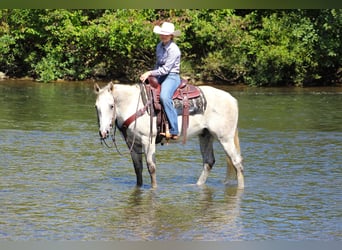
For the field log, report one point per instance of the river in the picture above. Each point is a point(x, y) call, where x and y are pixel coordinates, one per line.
point(58, 182)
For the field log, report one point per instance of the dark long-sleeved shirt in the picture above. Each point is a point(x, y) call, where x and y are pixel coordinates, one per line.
point(168, 59)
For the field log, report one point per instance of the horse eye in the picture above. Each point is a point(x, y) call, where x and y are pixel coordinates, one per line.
point(111, 106)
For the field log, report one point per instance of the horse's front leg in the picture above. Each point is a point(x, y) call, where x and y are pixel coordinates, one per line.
point(150, 149)
point(138, 164)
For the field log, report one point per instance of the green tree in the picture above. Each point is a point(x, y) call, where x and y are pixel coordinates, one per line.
point(328, 51)
point(255, 47)
point(281, 50)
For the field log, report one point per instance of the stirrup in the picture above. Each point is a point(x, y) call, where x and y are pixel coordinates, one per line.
point(169, 136)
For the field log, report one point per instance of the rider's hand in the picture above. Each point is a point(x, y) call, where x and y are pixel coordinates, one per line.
point(144, 76)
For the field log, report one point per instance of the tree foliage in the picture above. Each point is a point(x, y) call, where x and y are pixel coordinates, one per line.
point(255, 47)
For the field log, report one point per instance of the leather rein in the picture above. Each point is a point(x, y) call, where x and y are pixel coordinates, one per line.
point(139, 112)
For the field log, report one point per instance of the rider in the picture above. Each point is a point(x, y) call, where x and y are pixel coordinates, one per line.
point(167, 71)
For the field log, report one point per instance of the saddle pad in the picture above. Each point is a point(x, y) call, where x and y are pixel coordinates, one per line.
point(196, 105)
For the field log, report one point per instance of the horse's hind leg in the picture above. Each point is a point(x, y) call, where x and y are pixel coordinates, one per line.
point(206, 146)
point(231, 171)
point(232, 149)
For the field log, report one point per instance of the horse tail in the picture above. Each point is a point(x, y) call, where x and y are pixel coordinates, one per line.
point(231, 169)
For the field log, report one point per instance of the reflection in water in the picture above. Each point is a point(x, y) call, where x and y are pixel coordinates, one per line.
point(149, 216)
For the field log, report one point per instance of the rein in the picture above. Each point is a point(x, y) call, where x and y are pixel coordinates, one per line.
point(135, 116)
point(127, 122)
point(103, 141)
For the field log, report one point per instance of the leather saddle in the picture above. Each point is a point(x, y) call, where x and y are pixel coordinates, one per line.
point(184, 93)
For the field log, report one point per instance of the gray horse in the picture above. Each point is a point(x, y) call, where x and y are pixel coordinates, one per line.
point(115, 103)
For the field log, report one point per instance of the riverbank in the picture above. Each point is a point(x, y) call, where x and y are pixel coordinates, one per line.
point(24, 81)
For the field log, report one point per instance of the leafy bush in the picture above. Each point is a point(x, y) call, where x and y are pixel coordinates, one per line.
point(256, 47)
point(281, 51)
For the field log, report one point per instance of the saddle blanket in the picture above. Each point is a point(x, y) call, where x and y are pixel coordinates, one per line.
point(196, 105)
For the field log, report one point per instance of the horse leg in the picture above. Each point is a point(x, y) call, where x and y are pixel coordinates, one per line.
point(138, 165)
point(206, 146)
point(150, 149)
point(231, 171)
point(232, 149)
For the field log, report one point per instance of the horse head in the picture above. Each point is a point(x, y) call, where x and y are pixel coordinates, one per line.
point(105, 108)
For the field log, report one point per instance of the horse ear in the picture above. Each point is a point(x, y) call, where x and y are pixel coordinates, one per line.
point(111, 86)
point(96, 88)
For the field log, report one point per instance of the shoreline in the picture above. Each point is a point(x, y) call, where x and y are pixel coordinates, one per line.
point(4, 77)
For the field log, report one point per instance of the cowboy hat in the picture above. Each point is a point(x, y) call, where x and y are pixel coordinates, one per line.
point(166, 29)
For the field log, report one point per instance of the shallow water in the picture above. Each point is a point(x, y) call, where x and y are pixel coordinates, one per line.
point(58, 182)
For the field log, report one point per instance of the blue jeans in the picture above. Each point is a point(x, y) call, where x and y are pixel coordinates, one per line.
point(169, 84)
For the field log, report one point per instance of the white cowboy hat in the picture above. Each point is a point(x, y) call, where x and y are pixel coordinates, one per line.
point(166, 29)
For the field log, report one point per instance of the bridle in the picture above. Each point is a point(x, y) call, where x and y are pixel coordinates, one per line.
point(115, 125)
point(112, 131)
point(113, 138)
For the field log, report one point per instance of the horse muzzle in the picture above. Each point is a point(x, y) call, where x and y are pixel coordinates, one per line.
point(104, 134)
